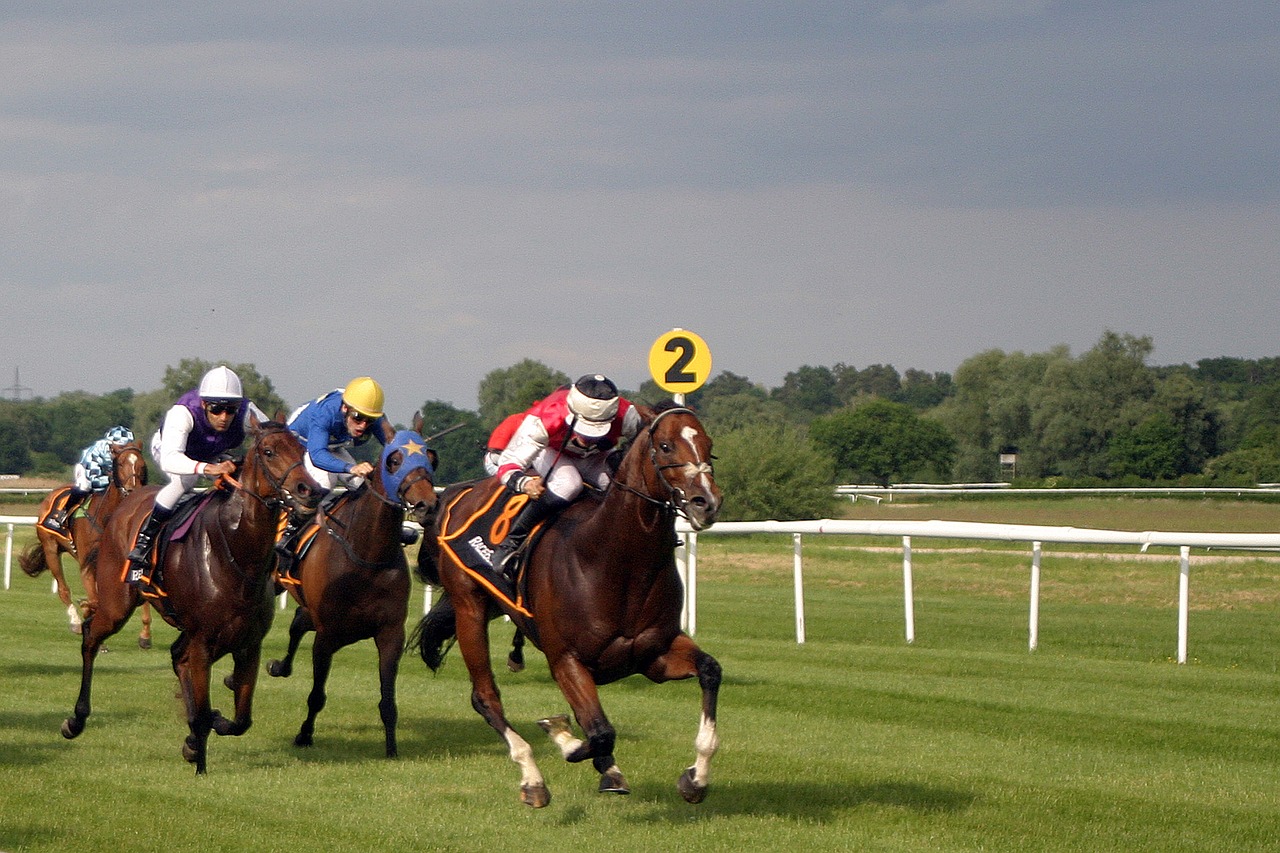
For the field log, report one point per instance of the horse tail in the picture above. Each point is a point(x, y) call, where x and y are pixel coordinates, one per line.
point(435, 633)
point(427, 570)
point(32, 560)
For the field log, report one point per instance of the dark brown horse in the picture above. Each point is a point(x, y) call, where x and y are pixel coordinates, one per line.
point(354, 578)
point(601, 598)
point(128, 472)
point(217, 579)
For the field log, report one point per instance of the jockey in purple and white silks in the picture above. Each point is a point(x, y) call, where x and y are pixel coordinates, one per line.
point(205, 423)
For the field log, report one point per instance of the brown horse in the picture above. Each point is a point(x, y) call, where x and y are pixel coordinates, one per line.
point(217, 579)
point(600, 597)
point(354, 578)
point(128, 472)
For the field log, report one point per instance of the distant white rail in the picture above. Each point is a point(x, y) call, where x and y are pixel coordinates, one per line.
point(1036, 535)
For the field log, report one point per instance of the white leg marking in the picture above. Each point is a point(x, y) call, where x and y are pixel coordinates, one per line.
point(706, 745)
point(522, 754)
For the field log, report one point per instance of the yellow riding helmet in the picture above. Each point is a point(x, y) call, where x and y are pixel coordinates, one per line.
point(365, 396)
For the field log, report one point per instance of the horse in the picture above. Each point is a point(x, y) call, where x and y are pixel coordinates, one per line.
point(216, 580)
point(599, 596)
point(128, 472)
point(353, 579)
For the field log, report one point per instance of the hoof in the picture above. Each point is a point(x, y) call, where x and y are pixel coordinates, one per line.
point(189, 752)
point(515, 664)
point(535, 796)
point(229, 682)
point(71, 727)
point(277, 669)
point(612, 782)
point(692, 792)
point(302, 740)
point(77, 628)
point(144, 643)
point(553, 725)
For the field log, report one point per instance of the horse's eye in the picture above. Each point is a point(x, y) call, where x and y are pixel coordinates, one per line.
point(664, 447)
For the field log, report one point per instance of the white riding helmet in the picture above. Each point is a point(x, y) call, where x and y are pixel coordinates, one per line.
point(593, 400)
point(221, 383)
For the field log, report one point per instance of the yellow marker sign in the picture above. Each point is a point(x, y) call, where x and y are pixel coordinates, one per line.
point(679, 361)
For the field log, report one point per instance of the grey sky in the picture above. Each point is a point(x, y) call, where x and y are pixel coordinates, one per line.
point(425, 192)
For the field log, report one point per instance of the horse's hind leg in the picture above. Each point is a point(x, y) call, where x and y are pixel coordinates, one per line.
point(97, 629)
point(301, 624)
point(683, 660)
point(144, 638)
point(473, 640)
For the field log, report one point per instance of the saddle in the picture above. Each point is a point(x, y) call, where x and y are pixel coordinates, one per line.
point(471, 539)
point(305, 539)
point(175, 529)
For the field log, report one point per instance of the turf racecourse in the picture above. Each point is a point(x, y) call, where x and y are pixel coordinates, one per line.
point(963, 740)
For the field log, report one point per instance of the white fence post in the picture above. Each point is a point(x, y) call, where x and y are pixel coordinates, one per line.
point(1034, 622)
point(8, 555)
point(908, 590)
point(798, 579)
point(1184, 587)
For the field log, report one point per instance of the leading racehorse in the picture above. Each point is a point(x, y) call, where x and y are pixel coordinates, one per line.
point(217, 580)
point(352, 579)
point(600, 596)
point(128, 472)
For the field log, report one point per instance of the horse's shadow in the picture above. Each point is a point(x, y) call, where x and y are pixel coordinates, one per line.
point(807, 801)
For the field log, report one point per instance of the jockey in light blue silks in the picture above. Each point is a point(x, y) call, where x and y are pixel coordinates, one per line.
point(92, 474)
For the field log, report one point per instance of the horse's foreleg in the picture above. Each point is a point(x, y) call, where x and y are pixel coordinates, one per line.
point(390, 643)
point(579, 687)
point(683, 660)
point(473, 640)
point(321, 660)
point(302, 623)
point(53, 559)
point(191, 664)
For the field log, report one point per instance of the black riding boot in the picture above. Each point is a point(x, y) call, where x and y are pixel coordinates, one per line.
point(140, 556)
point(57, 520)
point(285, 545)
point(530, 514)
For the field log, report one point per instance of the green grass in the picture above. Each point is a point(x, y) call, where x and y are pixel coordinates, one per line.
point(961, 741)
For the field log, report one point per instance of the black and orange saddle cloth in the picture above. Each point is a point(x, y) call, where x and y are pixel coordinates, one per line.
point(148, 579)
point(470, 534)
point(285, 569)
point(60, 497)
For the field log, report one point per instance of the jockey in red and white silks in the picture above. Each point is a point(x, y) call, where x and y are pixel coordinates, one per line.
point(565, 439)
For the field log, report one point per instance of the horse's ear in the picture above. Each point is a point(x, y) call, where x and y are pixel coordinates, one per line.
point(433, 458)
point(417, 422)
point(279, 416)
point(388, 431)
point(646, 413)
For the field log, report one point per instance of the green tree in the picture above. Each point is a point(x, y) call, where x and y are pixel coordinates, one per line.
point(514, 389)
point(772, 471)
point(15, 456)
point(722, 414)
point(808, 392)
point(1152, 450)
point(885, 441)
point(461, 446)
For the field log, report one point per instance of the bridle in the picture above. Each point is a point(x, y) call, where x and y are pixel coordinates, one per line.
point(281, 496)
point(675, 501)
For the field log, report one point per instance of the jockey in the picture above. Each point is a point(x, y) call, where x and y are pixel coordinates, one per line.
point(205, 423)
point(92, 474)
point(498, 441)
point(328, 427)
point(563, 442)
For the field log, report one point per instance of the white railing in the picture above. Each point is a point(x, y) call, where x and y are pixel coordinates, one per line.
point(1033, 534)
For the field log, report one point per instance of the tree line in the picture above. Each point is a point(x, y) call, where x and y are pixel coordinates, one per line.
point(1104, 417)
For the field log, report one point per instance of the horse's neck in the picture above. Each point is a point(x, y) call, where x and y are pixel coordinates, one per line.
point(640, 531)
point(374, 519)
point(247, 523)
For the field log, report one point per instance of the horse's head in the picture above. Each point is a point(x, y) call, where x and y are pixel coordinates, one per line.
point(274, 469)
point(128, 467)
point(406, 469)
point(679, 449)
